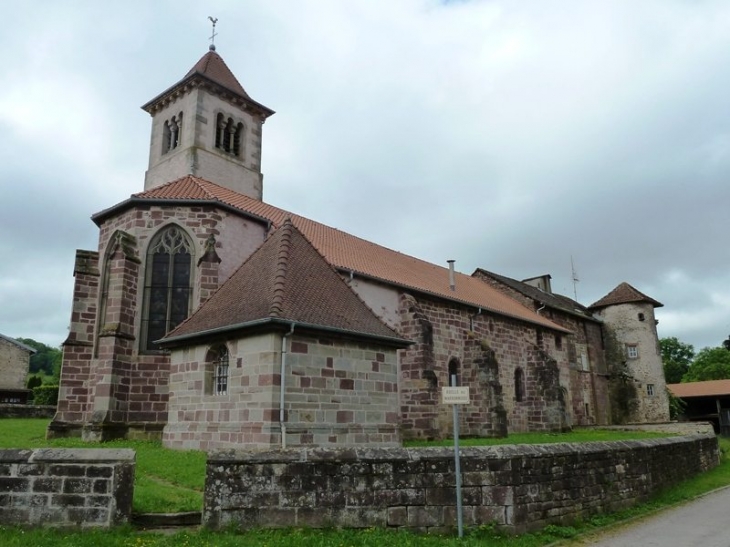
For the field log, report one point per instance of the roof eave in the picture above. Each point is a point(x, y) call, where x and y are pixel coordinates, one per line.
point(101, 216)
point(273, 321)
point(150, 106)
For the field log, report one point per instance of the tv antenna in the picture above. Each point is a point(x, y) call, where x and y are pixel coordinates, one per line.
point(213, 20)
point(575, 279)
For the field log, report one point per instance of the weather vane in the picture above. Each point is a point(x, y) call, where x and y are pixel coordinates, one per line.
point(213, 20)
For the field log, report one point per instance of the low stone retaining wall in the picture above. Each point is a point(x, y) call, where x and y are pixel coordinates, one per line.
point(63, 487)
point(520, 488)
point(27, 411)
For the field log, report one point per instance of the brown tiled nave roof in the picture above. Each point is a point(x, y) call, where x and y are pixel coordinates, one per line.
point(287, 280)
point(347, 252)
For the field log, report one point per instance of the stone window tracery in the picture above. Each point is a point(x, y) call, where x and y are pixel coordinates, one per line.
point(228, 135)
point(168, 284)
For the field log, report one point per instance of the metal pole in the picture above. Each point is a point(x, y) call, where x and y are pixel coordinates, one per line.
point(457, 466)
point(457, 461)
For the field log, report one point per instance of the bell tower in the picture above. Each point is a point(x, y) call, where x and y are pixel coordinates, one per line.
point(206, 125)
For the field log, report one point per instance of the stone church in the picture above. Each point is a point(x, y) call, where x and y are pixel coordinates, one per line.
point(209, 318)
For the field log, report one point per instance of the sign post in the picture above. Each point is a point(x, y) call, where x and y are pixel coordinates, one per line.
point(457, 396)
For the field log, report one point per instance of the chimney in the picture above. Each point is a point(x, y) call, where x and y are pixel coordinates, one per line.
point(452, 280)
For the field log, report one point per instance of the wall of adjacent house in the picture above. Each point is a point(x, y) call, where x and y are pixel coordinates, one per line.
point(518, 488)
point(488, 349)
point(60, 487)
point(631, 331)
point(337, 393)
point(14, 363)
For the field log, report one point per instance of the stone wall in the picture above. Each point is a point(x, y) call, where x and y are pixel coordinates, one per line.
point(87, 488)
point(486, 350)
point(634, 326)
point(520, 488)
point(27, 411)
point(337, 392)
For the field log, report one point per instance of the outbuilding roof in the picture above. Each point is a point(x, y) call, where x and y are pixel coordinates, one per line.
point(700, 389)
point(19, 344)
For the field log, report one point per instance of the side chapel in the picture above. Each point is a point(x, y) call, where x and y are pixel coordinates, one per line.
point(210, 319)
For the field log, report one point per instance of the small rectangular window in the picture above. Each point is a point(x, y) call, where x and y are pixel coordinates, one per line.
point(632, 351)
point(650, 390)
point(558, 342)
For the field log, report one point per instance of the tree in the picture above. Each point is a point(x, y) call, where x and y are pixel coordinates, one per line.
point(676, 358)
point(46, 360)
point(710, 364)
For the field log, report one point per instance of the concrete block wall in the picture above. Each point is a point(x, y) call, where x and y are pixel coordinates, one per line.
point(520, 488)
point(57, 487)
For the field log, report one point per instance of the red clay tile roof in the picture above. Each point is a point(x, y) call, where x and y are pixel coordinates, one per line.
point(212, 66)
point(347, 252)
point(700, 389)
point(285, 280)
point(624, 294)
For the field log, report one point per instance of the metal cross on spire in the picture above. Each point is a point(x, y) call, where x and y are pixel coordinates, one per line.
point(213, 20)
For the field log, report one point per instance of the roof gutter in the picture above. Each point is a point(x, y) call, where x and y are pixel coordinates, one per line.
point(174, 340)
point(99, 217)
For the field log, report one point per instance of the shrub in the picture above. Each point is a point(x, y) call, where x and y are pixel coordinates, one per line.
point(45, 395)
point(33, 381)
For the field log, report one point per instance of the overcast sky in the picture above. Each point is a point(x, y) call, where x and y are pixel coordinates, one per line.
point(508, 135)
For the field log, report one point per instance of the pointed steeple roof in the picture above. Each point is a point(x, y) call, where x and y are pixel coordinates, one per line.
point(212, 73)
point(624, 294)
point(212, 66)
point(285, 281)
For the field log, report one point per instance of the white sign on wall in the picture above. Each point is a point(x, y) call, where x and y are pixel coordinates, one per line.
point(455, 395)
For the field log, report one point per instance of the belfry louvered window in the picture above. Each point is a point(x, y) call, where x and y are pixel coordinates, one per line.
point(168, 284)
point(228, 135)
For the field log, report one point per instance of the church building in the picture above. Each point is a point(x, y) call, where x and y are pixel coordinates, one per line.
point(210, 319)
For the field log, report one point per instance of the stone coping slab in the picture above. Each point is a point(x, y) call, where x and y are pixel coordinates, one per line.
point(435, 453)
point(67, 455)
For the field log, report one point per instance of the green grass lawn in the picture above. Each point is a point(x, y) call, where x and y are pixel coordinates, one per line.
point(169, 481)
point(166, 481)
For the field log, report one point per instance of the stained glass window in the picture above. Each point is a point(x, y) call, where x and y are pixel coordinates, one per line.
point(168, 286)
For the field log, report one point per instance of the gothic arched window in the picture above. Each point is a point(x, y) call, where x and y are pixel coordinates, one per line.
point(168, 284)
point(519, 385)
point(216, 371)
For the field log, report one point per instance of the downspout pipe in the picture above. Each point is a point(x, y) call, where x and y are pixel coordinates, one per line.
point(282, 386)
point(540, 309)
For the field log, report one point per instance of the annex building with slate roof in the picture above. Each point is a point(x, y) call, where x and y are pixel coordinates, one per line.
point(212, 319)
